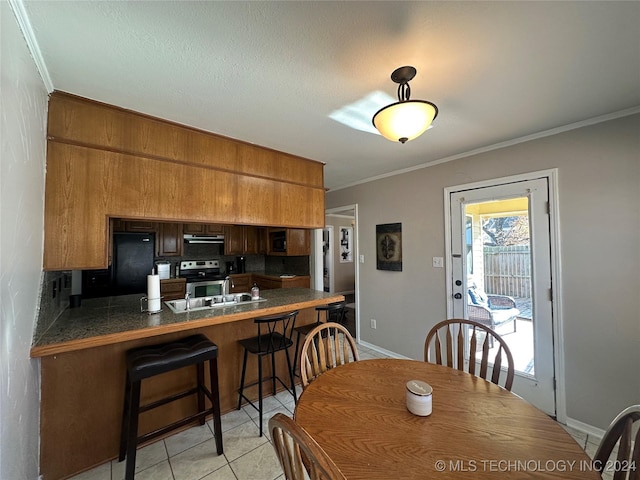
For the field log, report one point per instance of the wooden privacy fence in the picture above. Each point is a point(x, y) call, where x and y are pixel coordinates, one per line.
point(507, 270)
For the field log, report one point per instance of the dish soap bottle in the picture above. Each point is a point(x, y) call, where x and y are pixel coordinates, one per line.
point(255, 292)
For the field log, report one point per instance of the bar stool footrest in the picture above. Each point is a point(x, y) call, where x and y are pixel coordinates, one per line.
point(173, 426)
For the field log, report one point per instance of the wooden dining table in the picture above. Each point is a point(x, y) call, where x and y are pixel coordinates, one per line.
point(357, 413)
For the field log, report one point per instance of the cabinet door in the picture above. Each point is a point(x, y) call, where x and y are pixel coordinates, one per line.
point(214, 229)
point(233, 240)
point(267, 283)
point(136, 226)
point(298, 241)
point(262, 239)
point(193, 228)
point(117, 225)
point(172, 289)
point(170, 241)
point(275, 237)
point(241, 283)
point(250, 240)
point(203, 228)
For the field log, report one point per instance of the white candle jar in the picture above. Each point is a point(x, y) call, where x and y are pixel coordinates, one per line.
point(419, 398)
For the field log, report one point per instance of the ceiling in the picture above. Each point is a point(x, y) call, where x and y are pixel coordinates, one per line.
point(271, 73)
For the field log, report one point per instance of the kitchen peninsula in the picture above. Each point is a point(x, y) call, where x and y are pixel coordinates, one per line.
point(83, 368)
point(111, 170)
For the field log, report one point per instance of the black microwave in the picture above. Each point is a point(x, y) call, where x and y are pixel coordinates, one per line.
point(278, 241)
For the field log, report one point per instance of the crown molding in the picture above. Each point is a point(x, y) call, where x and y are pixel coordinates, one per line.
point(25, 25)
point(496, 146)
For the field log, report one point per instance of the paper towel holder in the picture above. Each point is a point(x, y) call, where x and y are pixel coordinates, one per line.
point(150, 312)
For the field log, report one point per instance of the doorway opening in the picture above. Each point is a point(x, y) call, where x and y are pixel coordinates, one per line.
point(339, 248)
point(498, 266)
point(503, 270)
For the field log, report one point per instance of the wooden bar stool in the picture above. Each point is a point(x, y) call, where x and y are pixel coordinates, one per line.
point(274, 335)
point(333, 312)
point(146, 362)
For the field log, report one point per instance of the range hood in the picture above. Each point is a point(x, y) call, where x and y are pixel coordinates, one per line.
point(219, 239)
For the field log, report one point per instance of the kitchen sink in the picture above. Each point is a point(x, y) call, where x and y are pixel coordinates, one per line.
point(208, 303)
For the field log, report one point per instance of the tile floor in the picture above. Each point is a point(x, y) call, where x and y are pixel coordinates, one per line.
point(190, 454)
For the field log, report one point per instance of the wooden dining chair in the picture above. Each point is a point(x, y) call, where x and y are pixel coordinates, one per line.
point(332, 312)
point(452, 352)
point(326, 346)
point(621, 429)
point(298, 453)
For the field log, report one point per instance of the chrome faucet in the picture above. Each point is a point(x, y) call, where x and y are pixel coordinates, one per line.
point(187, 299)
point(227, 285)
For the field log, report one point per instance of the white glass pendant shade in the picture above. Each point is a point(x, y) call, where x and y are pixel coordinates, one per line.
point(404, 121)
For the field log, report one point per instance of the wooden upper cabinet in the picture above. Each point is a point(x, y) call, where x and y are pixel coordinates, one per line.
point(297, 242)
point(259, 161)
point(244, 240)
point(104, 161)
point(258, 238)
point(142, 227)
point(122, 225)
point(170, 240)
point(261, 234)
point(250, 241)
point(234, 243)
point(203, 229)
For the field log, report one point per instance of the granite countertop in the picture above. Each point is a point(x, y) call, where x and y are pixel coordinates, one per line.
point(104, 321)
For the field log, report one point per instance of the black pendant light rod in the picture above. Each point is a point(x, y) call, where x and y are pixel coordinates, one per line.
point(404, 92)
point(403, 76)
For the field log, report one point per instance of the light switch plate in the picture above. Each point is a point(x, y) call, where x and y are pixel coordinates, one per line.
point(438, 262)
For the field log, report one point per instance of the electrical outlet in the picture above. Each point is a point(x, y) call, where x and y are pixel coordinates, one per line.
point(361, 258)
point(438, 262)
point(373, 323)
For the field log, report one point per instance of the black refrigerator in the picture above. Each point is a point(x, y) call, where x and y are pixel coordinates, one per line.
point(133, 255)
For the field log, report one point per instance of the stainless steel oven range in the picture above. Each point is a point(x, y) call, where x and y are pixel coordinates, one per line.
point(203, 278)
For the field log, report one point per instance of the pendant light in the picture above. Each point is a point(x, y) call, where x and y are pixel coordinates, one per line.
point(406, 119)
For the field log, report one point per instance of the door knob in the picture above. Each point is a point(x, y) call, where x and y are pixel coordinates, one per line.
point(457, 296)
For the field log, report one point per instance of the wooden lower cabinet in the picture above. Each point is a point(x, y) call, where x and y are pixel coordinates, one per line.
point(173, 288)
point(242, 282)
point(268, 282)
point(83, 390)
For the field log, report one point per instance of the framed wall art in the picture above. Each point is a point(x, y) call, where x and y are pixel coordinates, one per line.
point(389, 247)
point(346, 244)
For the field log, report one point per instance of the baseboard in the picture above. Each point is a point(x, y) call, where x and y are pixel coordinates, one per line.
point(388, 353)
point(585, 428)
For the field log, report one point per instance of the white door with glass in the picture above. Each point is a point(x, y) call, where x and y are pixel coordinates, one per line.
point(500, 258)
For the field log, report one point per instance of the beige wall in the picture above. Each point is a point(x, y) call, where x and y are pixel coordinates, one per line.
point(23, 132)
point(344, 273)
point(599, 201)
